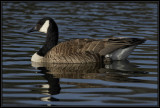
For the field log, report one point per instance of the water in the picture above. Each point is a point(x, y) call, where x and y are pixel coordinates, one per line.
point(122, 83)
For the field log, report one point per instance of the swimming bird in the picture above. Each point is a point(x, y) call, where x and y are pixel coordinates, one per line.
point(80, 50)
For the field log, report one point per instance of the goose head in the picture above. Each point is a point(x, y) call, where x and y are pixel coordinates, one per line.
point(44, 25)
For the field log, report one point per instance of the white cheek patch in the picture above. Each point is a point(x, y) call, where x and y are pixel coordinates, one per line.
point(45, 26)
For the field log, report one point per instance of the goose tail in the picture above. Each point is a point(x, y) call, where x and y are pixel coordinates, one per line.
point(125, 51)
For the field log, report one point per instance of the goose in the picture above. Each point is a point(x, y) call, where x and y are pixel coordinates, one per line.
point(82, 50)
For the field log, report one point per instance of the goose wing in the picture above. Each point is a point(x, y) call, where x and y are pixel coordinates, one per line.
point(86, 50)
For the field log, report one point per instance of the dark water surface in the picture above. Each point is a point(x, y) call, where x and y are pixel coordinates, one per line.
point(132, 82)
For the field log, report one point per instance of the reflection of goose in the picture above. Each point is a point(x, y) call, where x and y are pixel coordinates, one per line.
point(121, 65)
point(70, 70)
point(80, 50)
point(115, 71)
point(91, 70)
point(53, 83)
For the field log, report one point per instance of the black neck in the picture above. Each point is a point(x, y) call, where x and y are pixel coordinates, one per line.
point(51, 40)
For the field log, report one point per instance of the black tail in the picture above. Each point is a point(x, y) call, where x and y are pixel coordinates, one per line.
point(129, 41)
point(136, 41)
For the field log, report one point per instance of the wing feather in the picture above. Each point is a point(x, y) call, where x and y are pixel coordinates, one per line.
point(87, 50)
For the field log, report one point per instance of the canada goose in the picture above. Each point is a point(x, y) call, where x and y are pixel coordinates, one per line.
point(80, 50)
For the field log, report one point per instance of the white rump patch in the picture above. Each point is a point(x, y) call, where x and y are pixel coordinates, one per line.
point(37, 58)
point(121, 54)
point(45, 26)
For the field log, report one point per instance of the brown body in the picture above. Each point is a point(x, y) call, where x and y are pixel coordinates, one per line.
point(87, 50)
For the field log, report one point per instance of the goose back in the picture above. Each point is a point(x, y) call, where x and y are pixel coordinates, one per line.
point(87, 50)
